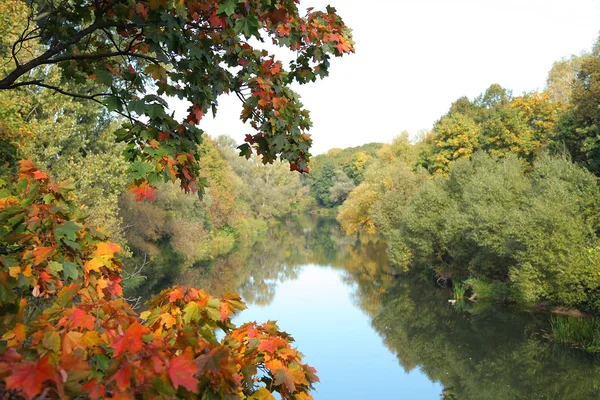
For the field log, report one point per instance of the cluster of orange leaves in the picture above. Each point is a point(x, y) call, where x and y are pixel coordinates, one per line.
point(67, 332)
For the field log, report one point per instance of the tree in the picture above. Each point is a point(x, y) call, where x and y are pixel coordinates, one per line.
point(457, 136)
point(342, 186)
point(66, 331)
point(129, 55)
point(579, 129)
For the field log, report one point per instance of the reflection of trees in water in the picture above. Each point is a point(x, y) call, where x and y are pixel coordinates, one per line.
point(255, 269)
point(481, 353)
point(476, 352)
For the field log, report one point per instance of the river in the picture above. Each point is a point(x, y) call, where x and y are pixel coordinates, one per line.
point(372, 334)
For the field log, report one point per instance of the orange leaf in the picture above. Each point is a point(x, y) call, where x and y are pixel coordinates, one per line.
point(78, 318)
point(72, 341)
point(40, 175)
point(107, 249)
point(16, 336)
point(29, 377)
point(41, 253)
point(181, 370)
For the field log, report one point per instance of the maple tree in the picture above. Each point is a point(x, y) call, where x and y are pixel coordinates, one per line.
point(66, 331)
point(131, 55)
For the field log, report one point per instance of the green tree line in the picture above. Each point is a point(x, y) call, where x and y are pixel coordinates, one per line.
point(501, 195)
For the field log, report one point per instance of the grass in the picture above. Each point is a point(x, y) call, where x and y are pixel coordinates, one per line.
point(579, 332)
point(459, 290)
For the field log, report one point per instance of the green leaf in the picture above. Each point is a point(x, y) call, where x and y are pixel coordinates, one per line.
point(163, 387)
point(112, 103)
point(55, 267)
point(192, 311)
point(71, 270)
point(213, 314)
point(140, 169)
point(228, 7)
point(67, 230)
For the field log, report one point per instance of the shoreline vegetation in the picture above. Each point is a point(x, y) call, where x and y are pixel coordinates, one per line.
point(501, 199)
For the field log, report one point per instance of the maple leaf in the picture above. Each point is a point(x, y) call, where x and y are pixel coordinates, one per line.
point(212, 361)
point(289, 377)
point(107, 249)
point(175, 294)
point(94, 389)
point(131, 341)
point(72, 341)
point(167, 320)
point(271, 345)
point(262, 394)
point(163, 135)
point(29, 377)
point(143, 191)
point(93, 265)
point(195, 115)
point(39, 175)
point(41, 253)
point(123, 377)
point(78, 318)
point(181, 370)
point(15, 336)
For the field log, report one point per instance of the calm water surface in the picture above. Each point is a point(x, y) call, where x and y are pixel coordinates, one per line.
point(372, 335)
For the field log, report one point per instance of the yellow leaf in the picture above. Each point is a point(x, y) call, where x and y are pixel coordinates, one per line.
point(14, 271)
point(92, 338)
point(27, 271)
point(93, 265)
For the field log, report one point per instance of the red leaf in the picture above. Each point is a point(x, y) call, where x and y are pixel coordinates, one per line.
point(163, 135)
point(78, 318)
point(271, 345)
point(195, 115)
point(216, 22)
point(141, 10)
point(131, 341)
point(30, 376)
point(123, 377)
point(94, 389)
point(175, 294)
point(181, 371)
point(143, 191)
point(111, 69)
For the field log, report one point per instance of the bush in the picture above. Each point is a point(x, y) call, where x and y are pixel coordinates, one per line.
point(532, 236)
point(67, 332)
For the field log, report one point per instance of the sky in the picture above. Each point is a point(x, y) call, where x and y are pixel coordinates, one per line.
point(414, 58)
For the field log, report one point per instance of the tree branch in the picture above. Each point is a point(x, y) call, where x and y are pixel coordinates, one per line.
point(45, 58)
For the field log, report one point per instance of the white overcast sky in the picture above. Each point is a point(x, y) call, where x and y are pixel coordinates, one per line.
point(414, 58)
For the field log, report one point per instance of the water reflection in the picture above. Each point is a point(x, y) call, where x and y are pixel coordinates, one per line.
point(476, 350)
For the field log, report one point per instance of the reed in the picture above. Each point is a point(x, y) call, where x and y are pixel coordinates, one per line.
point(459, 290)
point(580, 332)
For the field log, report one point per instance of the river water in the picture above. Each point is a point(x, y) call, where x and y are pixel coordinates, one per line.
point(372, 334)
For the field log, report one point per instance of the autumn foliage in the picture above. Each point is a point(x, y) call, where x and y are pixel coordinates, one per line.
point(131, 56)
point(67, 332)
